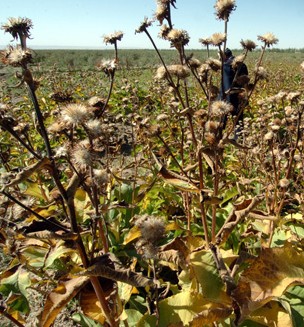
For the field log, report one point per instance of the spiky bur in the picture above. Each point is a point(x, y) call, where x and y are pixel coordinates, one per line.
point(152, 230)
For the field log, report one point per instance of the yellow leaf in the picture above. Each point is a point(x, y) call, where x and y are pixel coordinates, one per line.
point(59, 298)
point(268, 277)
point(91, 306)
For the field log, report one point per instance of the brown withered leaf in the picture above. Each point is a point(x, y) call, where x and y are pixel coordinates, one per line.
point(59, 298)
point(240, 211)
point(28, 171)
point(268, 277)
point(116, 272)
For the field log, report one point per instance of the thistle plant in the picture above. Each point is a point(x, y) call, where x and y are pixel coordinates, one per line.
point(134, 199)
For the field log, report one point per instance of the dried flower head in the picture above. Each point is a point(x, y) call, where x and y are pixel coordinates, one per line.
point(164, 31)
point(206, 41)
point(94, 127)
point(180, 71)
point(16, 56)
point(284, 182)
point(248, 45)
point(220, 108)
point(202, 71)
point(75, 113)
point(144, 25)
point(218, 39)
point(302, 66)
point(161, 12)
point(178, 38)
point(224, 8)
point(83, 156)
point(18, 27)
point(152, 228)
point(268, 38)
point(238, 61)
point(214, 64)
point(101, 176)
point(108, 67)
point(194, 63)
point(261, 73)
point(113, 38)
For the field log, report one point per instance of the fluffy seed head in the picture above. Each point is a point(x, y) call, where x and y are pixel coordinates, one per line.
point(113, 38)
point(268, 38)
point(179, 71)
point(224, 8)
point(16, 56)
point(220, 108)
point(218, 39)
point(178, 38)
point(248, 45)
point(94, 127)
point(75, 113)
point(152, 228)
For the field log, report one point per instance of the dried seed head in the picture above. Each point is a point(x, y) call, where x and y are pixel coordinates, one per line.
point(161, 12)
point(194, 63)
point(212, 126)
point(284, 182)
point(83, 156)
point(268, 38)
point(94, 127)
point(214, 64)
point(178, 38)
point(206, 41)
point(144, 25)
point(16, 56)
point(18, 27)
point(152, 228)
point(108, 67)
point(238, 61)
point(203, 72)
point(113, 38)
point(248, 45)
point(101, 176)
point(220, 108)
point(224, 8)
point(218, 39)
point(261, 73)
point(302, 66)
point(146, 249)
point(75, 113)
point(179, 71)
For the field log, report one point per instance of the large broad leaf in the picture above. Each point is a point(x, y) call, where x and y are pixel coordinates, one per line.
point(59, 298)
point(14, 287)
point(208, 277)
point(268, 277)
point(272, 314)
point(181, 309)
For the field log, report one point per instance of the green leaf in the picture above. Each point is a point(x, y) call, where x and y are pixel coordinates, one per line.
point(85, 321)
point(15, 287)
point(207, 275)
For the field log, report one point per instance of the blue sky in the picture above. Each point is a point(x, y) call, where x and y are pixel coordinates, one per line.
point(82, 23)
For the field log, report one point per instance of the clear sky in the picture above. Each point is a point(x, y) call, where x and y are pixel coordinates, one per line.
point(82, 23)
